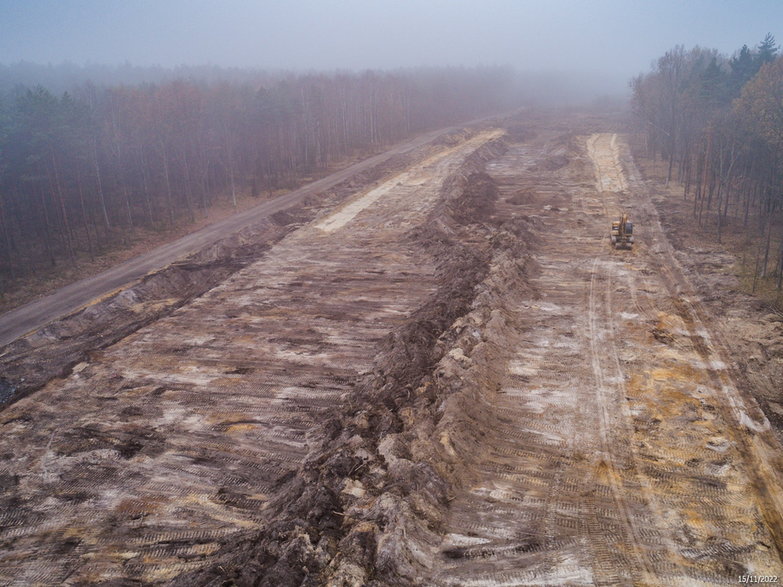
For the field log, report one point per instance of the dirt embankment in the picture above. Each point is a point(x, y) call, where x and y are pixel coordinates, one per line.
point(367, 505)
point(28, 363)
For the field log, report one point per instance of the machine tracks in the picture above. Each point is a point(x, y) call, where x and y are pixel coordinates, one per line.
point(619, 452)
point(143, 461)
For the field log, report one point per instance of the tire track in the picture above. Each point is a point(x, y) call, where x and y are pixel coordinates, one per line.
point(601, 310)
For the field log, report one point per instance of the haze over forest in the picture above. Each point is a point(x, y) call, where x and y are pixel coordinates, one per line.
point(120, 116)
point(599, 45)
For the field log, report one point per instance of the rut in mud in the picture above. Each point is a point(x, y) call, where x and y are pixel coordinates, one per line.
point(451, 379)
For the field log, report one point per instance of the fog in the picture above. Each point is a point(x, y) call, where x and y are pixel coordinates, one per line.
point(601, 43)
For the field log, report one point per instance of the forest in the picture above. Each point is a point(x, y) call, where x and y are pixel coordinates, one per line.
point(81, 169)
point(717, 122)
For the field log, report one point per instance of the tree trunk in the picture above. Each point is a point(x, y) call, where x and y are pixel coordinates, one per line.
point(100, 185)
point(63, 211)
point(7, 238)
point(145, 185)
point(169, 196)
point(84, 214)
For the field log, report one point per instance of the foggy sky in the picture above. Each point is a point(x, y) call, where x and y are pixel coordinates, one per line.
point(615, 39)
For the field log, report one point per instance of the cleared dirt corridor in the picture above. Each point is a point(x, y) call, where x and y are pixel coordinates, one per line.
point(141, 461)
point(620, 450)
point(581, 422)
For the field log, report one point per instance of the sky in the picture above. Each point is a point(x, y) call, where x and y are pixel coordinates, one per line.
point(612, 38)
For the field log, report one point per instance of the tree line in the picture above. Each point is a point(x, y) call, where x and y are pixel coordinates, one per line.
point(717, 122)
point(80, 169)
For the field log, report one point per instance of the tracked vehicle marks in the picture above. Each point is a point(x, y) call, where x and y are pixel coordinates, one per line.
point(698, 500)
point(137, 466)
point(616, 446)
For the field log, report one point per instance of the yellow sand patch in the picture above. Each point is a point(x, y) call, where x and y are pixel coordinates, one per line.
point(217, 511)
point(225, 417)
point(143, 505)
point(243, 427)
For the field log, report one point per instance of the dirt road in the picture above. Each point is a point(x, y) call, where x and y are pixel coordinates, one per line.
point(580, 419)
point(34, 315)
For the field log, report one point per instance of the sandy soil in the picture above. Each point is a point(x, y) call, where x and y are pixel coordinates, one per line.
point(182, 429)
point(450, 379)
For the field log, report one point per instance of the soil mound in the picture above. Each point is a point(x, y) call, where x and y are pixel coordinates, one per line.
point(368, 503)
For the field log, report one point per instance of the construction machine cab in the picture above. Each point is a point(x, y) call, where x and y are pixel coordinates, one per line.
point(621, 235)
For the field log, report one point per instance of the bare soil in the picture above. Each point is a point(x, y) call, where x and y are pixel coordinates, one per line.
point(29, 362)
point(752, 324)
point(448, 378)
point(135, 242)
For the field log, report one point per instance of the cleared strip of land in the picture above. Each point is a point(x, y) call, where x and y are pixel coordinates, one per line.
point(136, 464)
point(34, 315)
point(449, 378)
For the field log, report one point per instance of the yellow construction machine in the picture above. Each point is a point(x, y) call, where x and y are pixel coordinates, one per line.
point(622, 233)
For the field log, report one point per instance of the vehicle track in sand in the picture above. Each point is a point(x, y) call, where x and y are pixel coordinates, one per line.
point(621, 451)
point(31, 316)
point(137, 465)
point(620, 446)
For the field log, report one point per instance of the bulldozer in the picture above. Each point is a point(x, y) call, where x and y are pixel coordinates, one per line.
point(621, 235)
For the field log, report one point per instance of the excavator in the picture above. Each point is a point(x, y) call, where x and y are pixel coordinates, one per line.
point(622, 233)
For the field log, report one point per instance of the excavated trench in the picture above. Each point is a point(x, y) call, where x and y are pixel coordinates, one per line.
point(450, 379)
point(155, 450)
